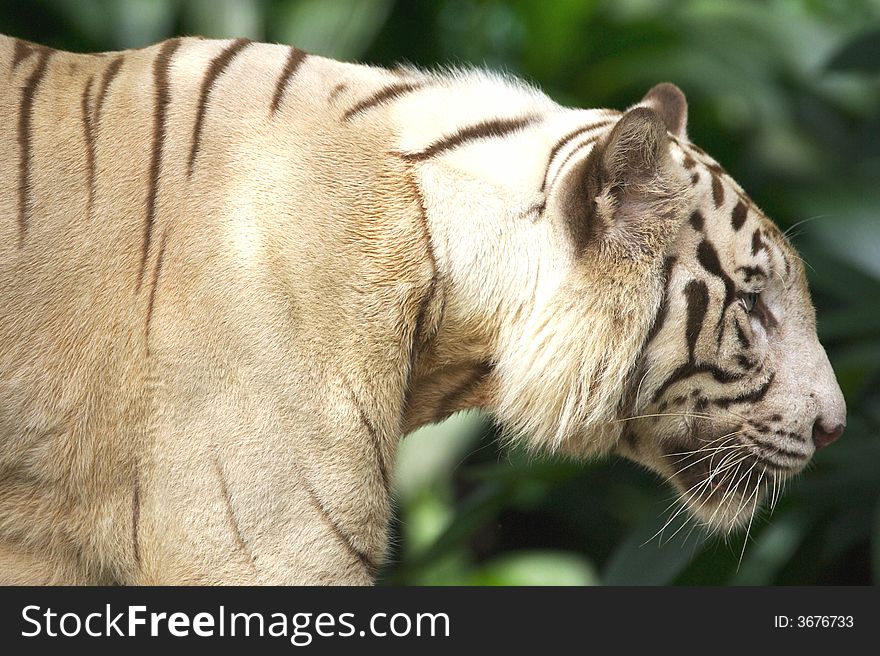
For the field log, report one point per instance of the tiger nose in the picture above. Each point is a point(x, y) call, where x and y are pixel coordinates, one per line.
point(822, 436)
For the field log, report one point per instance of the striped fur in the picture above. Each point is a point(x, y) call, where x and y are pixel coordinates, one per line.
point(234, 275)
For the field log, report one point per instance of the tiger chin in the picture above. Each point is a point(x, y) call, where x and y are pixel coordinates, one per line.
point(233, 276)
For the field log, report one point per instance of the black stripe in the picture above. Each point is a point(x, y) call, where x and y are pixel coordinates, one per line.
point(660, 317)
point(757, 243)
point(391, 92)
point(231, 518)
point(343, 537)
point(571, 155)
point(336, 90)
point(377, 444)
point(136, 520)
point(747, 397)
point(741, 335)
point(689, 370)
point(717, 189)
point(21, 50)
point(752, 272)
point(738, 215)
point(110, 72)
point(155, 283)
point(775, 450)
point(295, 58)
point(707, 256)
point(89, 135)
point(561, 143)
point(697, 220)
point(162, 93)
point(25, 118)
point(215, 70)
point(492, 128)
point(764, 315)
point(697, 294)
point(419, 335)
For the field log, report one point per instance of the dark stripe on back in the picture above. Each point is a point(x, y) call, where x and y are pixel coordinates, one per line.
point(492, 128)
point(89, 135)
point(110, 72)
point(738, 216)
point(574, 151)
point(215, 70)
point(565, 139)
point(391, 92)
point(155, 283)
point(336, 90)
point(295, 58)
point(697, 294)
point(697, 220)
point(21, 51)
point(162, 96)
point(25, 117)
point(717, 189)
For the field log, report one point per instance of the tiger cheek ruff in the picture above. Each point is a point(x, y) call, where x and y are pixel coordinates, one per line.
point(234, 275)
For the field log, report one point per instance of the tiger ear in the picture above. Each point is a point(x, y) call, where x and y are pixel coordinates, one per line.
point(626, 188)
point(671, 106)
point(635, 150)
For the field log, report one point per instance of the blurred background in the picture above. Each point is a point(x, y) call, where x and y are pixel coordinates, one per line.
point(784, 94)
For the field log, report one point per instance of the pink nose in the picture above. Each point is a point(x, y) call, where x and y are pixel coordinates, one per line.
point(822, 436)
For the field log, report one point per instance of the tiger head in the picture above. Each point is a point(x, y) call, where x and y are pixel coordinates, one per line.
point(733, 390)
point(682, 294)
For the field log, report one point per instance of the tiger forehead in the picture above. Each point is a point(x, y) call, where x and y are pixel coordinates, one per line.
point(752, 230)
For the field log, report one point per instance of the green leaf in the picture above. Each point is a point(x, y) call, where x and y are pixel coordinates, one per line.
point(861, 54)
point(875, 545)
point(774, 547)
point(651, 557)
point(536, 568)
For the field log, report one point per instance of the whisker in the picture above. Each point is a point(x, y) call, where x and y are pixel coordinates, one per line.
point(803, 221)
point(691, 415)
point(751, 518)
point(712, 450)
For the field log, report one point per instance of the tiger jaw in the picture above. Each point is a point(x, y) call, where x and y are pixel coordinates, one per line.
point(724, 480)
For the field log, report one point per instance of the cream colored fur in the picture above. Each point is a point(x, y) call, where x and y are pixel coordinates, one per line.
point(226, 408)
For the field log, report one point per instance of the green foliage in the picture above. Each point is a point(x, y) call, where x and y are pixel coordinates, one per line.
point(785, 94)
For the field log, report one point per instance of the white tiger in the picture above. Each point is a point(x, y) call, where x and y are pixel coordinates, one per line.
point(233, 276)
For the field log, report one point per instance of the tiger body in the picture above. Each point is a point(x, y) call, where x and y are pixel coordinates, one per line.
point(233, 276)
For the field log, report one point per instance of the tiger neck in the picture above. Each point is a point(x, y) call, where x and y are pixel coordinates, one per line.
point(488, 282)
